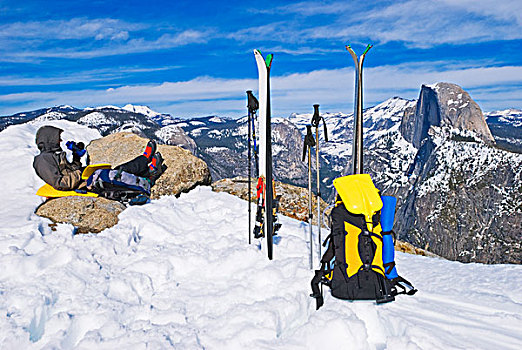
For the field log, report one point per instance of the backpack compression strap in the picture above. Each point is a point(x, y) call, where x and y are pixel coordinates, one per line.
point(320, 274)
point(405, 286)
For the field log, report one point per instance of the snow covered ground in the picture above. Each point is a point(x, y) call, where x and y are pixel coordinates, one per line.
point(179, 273)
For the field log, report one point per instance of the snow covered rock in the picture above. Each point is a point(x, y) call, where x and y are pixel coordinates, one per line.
point(184, 172)
point(175, 136)
point(85, 213)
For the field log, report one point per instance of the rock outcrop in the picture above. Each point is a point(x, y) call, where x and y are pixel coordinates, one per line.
point(184, 172)
point(87, 214)
point(293, 203)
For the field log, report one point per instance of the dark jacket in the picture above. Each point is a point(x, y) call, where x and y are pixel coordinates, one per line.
point(51, 164)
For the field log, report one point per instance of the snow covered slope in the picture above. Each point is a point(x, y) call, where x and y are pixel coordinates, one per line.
point(179, 273)
point(506, 126)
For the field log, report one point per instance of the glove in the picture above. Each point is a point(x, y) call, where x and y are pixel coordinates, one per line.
point(78, 149)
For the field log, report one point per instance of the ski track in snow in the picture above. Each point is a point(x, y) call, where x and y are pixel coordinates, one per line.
point(179, 273)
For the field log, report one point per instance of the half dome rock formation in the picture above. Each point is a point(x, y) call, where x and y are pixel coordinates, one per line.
point(444, 104)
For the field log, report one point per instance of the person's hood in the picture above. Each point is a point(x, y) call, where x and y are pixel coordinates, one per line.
point(48, 138)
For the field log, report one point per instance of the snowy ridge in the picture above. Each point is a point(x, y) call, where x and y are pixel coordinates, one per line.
point(378, 121)
point(507, 116)
point(179, 273)
point(216, 120)
point(49, 116)
point(98, 121)
point(141, 109)
point(506, 127)
point(103, 107)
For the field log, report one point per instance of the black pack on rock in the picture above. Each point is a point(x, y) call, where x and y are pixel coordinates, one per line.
point(353, 265)
point(120, 186)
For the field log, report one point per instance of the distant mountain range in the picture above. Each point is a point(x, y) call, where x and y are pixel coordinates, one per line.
point(456, 172)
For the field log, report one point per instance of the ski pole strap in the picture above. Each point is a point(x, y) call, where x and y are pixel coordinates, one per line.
point(316, 120)
point(325, 131)
point(309, 140)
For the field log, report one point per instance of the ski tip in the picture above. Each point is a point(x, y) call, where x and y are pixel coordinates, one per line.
point(269, 59)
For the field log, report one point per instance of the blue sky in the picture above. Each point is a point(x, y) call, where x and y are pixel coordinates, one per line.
point(194, 58)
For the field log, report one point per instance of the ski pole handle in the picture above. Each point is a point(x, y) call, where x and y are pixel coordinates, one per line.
point(253, 103)
point(316, 118)
point(309, 140)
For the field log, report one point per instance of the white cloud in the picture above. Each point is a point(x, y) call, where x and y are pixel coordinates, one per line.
point(508, 10)
point(75, 28)
point(98, 75)
point(493, 87)
point(30, 41)
point(417, 23)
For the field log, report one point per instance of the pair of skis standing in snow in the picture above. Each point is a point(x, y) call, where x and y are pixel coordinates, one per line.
point(267, 201)
point(359, 260)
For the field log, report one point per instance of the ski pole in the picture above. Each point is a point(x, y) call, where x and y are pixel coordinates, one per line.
point(316, 119)
point(252, 106)
point(357, 143)
point(309, 142)
point(249, 185)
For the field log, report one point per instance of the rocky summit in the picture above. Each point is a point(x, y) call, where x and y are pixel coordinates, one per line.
point(184, 172)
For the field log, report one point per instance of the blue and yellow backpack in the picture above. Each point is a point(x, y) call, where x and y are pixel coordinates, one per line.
point(359, 263)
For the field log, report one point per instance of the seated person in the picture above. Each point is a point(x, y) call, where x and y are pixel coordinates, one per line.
point(52, 166)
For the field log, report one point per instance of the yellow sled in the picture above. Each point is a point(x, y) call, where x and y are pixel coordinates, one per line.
point(50, 192)
point(92, 168)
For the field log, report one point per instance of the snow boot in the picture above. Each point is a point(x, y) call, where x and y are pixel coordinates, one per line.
point(156, 167)
point(150, 150)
